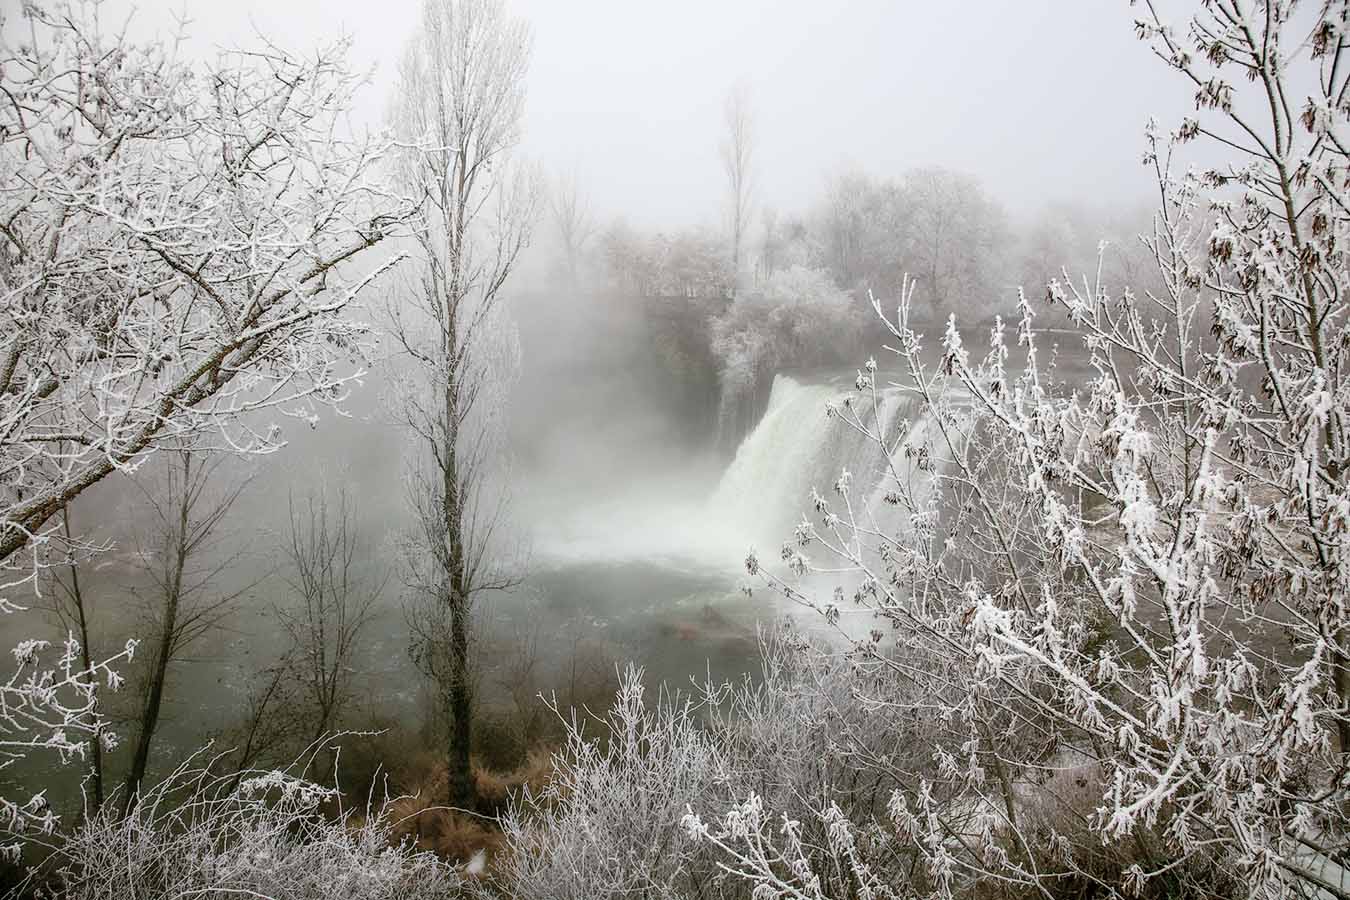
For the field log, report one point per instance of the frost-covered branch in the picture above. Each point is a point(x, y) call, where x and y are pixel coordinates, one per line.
point(178, 246)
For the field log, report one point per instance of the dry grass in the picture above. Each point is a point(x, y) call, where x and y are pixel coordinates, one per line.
point(495, 789)
point(453, 836)
point(456, 835)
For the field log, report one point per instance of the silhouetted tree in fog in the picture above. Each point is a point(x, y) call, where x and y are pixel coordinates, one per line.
point(331, 606)
point(572, 221)
point(301, 696)
point(184, 603)
point(738, 149)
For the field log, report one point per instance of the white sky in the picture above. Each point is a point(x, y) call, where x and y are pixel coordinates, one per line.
point(1042, 99)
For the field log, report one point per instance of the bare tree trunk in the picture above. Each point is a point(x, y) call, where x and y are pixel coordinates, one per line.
point(462, 792)
point(164, 648)
point(149, 721)
point(459, 772)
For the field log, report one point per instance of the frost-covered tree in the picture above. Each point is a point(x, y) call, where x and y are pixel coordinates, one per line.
point(180, 244)
point(1135, 581)
point(460, 99)
point(797, 317)
point(860, 232)
point(955, 239)
point(691, 263)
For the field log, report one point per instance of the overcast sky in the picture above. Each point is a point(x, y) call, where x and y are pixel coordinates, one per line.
point(1041, 99)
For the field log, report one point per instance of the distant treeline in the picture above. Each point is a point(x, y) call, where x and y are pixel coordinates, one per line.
point(802, 295)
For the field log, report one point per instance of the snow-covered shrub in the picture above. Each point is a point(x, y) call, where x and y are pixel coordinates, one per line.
point(54, 709)
point(616, 818)
point(606, 825)
point(798, 318)
point(1136, 580)
point(198, 833)
point(804, 751)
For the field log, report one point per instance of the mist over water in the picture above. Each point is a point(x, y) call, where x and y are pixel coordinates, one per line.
point(627, 523)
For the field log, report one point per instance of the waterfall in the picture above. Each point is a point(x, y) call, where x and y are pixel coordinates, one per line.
point(796, 448)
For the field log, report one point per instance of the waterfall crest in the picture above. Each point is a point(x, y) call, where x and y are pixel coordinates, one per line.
point(796, 448)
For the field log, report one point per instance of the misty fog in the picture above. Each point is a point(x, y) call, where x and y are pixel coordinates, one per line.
point(758, 449)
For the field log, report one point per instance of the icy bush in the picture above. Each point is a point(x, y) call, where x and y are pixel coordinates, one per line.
point(798, 317)
point(618, 818)
point(606, 824)
point(51, 706)
point(257, 834)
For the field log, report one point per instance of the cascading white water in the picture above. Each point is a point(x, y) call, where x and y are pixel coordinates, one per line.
point(796, 448)
point(769, 480)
